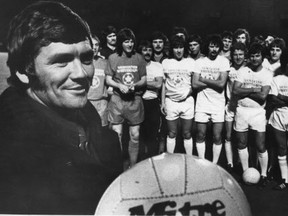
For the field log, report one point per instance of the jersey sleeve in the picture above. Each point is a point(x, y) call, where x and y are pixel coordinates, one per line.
point(196, 66)
point(274, 87)
point(142, 66)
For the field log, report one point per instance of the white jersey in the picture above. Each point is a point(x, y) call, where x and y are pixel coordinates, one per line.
point(232, 76)
point(178, 78)
point(209, 100)
point(251, 79)
point(279, 85)
point(153, 70)
point(271, 67)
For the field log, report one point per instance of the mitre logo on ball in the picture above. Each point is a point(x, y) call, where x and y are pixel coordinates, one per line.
point(174, 184)
point(128, 78)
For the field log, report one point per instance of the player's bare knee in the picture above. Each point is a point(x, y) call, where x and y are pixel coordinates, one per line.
point(171, 134)
point(217, 139)
point(186, 135)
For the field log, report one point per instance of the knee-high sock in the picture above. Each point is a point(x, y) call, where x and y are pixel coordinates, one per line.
point(263, 160)
point(201, 148)
point(216, 152)
point(244, 157)
point(188, 145)
point(171, 142)
point(283, 167)
point(229, 152)
point(133, 150)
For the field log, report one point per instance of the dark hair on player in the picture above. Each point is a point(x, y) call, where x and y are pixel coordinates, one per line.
point(124, 34)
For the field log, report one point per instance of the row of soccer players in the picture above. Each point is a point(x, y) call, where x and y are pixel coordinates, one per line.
point(210, 88)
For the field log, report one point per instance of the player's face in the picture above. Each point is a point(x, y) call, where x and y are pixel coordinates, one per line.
point(194, 47)
point(147, 53)
point(213, 50)
point(111, 39)
point(241, 38)
point(64, 73)
point(275, 53)
point(95, 46)
point(227, 43)
point(158, 45)
point(128, 46)
point(256, 59)
point(268, 40)
point(178, 52)
point(238, 57)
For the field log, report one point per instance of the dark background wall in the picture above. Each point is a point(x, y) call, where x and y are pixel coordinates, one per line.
point(198, 16)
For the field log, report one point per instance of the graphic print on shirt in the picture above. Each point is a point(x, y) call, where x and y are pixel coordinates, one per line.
point(127, 73)
point(98, 78)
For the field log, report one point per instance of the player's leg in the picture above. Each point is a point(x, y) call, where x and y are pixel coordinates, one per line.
point(118, 128)
point(187, 136)
point(217, 140)
point(200, 138)
point(228, 144)
point(133, 147)
point(172, 132)
point(241, 138)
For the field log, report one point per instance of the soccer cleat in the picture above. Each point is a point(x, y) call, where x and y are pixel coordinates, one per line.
point(263, 182)
point(282, 186)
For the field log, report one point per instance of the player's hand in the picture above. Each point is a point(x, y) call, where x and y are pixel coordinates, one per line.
point(123, 88)
point(132, 88)
point(163, 109)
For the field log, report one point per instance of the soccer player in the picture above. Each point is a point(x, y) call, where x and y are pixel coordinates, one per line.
point(150, 127)
point(110, 39)
point(238, 51)
point(278, 96)
point(242, 35)
point(177, 102)
point(194, 46)
point(252, 87)
point(227, 38)
point(55, 156)
point(126, 73)
point(98, 94)
point(210, 76)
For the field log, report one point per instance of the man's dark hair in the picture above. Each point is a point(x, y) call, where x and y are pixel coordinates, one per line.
point(124, 34)
point(144, 43)
point(177, 41)
point(179, 29)
point(37, 26)
point(278, 42)
point(227, 34)
point(256, 48)
point(108, 30)
point(213, 39)
point(158, 35)
point(195, 37)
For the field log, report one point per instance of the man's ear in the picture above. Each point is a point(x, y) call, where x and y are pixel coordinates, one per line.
point(30, 69)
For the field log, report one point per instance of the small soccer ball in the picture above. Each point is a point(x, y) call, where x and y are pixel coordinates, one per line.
point(251, 176)
point(174, 184)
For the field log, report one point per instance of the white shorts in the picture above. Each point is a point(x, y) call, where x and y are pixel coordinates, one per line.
point(206, 117)
point(183, 109)
point(246, 117)
point(229, 115)
point(279, 120)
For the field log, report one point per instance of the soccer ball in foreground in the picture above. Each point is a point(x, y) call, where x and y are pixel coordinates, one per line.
point(251, 176)
point(174, 184)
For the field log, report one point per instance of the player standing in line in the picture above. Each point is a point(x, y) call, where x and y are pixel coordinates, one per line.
point(194, 46)
point(275, 50)
point(110, 39)
point(210, 76)
point(278, 96)
point(252, 87)
point(238, 61)
point(150, 127)
point(97, 94)
point(177, 102)
point(242, 35)
point(126, 73)
point(227, 38)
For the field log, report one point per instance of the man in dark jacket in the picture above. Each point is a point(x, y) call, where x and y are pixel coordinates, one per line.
point(55, 158)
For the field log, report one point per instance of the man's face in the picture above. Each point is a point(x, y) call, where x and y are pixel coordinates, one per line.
point(64, 72)
point(178, 52)
point(95, 46)
point(147, 53)
point(241, 38)
point(256, 60)
point(238, 57)
point(268, 40)
point(213, 50)
point(194, 47)
point(158, 45)
point(111, 39)
point(128, 46)
point(227, 43)
point(275, 53)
